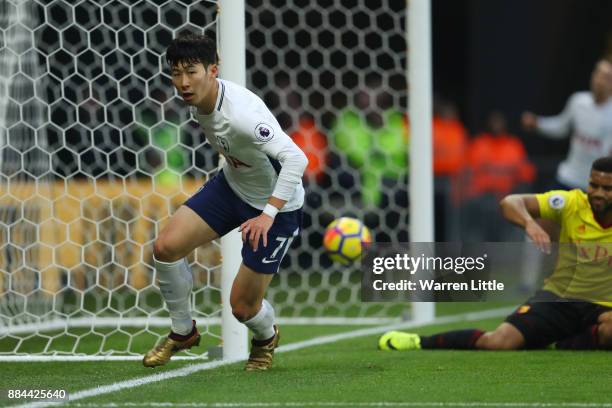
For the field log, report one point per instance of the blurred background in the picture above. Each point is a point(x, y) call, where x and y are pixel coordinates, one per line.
point(515, 56)
point(506, 58)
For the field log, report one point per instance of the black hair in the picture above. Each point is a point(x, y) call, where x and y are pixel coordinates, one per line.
point(603, 164)
point(192, 48)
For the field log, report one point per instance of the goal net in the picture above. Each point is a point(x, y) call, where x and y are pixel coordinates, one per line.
point(97, 151)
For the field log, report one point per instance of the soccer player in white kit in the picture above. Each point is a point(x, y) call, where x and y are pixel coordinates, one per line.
point(589, 115)
point(258, 189)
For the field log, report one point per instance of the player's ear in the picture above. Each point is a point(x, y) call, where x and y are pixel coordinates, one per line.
point(213, 69)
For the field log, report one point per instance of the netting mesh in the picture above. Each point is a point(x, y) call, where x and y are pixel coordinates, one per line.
point(333, 73)
point(96, 151)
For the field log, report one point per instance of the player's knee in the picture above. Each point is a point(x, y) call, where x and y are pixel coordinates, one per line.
point(605, 317)
point(605, 334)
point(164, 251)
point(243, 312)
point(489, 341)
point(500, 339)
point(242, 308)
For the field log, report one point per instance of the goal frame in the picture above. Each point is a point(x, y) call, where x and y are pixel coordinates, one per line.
point(231, 37)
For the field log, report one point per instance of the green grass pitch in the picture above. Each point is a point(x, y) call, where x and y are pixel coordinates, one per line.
point(347, 372)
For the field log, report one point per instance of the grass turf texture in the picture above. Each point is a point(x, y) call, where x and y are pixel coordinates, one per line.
point(349, 371)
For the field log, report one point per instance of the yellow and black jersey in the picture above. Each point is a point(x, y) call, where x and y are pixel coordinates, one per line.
point(584, 267)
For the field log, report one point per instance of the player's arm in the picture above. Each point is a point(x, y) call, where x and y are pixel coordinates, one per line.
point(293, 162)
point(522, 210)
point(555, 127)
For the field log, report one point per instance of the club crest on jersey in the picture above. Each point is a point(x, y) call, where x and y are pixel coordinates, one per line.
point(556, 201)
point(223, 143)
point(264, 132)
point(523, 309)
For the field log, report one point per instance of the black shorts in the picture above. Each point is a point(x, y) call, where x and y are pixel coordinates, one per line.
point(546, 318)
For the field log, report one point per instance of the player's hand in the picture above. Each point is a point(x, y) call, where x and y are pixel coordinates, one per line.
point(529, 121)
point(540, 238)
point(256, 228)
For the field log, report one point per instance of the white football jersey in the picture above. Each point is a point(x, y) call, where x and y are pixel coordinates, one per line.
point(261, 160)
point(591, 138)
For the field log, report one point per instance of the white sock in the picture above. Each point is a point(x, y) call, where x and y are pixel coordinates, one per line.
point(262, 324)
point(175, 283)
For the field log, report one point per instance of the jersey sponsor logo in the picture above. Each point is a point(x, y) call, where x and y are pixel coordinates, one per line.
point(236, 163)
point(556, 201)
point(595, 253)
point(223, 143)
point(588, 142)
point(264, 132)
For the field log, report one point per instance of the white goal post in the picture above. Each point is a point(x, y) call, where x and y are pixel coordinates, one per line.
point(233, 68)
point(97, 151)
point(421, 151)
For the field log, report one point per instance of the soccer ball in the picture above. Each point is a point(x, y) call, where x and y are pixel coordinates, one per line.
point(344, 239)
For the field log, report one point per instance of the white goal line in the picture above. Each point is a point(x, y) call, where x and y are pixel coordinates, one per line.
point(113, 322)
point(154, 322)
point(317, 341)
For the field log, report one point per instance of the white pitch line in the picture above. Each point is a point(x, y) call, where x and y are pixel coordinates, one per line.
point(182, 372)
point(345, 404)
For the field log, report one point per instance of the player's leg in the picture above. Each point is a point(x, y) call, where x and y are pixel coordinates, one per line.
point(596, 336)
point(542, 320)
point(203, 217)
point(256, 272)
point(536, 324)
point(250, 307)
point(505, 337)
point(185, 231)
point(605, 330)
point(248, 303)
point(605, 317)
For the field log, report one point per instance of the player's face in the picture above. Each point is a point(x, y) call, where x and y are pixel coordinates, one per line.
point(600, 192)
point(196, 84)
point(601, 80)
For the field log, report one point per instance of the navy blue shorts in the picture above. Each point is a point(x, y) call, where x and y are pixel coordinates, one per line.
point(223, 210)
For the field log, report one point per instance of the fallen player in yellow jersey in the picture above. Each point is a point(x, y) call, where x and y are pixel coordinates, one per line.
point(573, 310)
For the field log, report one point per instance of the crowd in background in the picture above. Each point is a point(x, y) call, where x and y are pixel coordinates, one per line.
point(472, 171)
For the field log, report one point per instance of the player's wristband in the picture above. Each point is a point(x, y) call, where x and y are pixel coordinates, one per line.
point(270, 210)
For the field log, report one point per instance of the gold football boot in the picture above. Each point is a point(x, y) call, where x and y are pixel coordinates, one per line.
point(163, 352)
point(261, 356)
